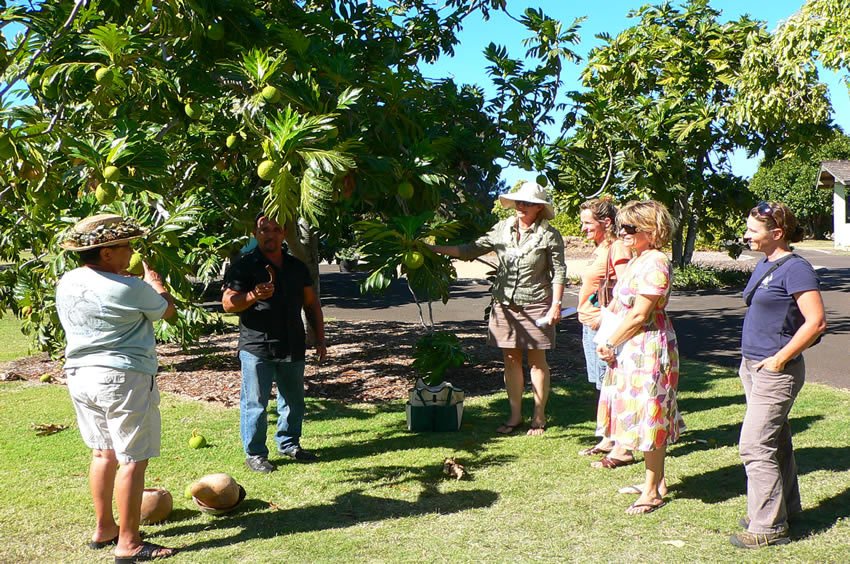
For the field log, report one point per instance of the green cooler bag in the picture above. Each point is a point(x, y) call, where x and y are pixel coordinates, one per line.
point(434, 408)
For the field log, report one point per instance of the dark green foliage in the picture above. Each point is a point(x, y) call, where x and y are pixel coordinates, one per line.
point(698, 277)
point(793, 181)
point(435, 353)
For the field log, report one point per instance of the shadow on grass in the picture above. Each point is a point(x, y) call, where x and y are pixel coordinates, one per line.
point(349, 509)
point(699, 404)
point(727, 435)
point(731, 481)
point(823, 516)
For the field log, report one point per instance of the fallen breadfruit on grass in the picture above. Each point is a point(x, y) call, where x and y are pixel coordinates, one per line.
point(197, 440)
point(217, 493)
point(45, 378)
point(157, 504)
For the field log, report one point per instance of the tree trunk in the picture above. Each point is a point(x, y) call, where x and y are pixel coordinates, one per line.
point(690, 242)
point(679, 213)
point(303, 244)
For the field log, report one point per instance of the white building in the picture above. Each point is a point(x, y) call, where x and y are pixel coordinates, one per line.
point(835, 175)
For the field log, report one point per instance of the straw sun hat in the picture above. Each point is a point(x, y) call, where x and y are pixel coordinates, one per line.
point(104, 230)
point(532, 193)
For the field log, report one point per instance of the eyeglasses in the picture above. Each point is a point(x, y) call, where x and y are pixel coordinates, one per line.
point(629, 229)
point(521, 204)
point(764, 209)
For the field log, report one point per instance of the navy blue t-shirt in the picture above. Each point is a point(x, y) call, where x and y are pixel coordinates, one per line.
point(773, 316)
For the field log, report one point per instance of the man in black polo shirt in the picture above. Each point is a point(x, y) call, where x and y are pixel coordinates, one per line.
point(268, 289)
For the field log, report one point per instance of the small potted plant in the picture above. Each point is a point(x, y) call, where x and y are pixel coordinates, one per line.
point(434, 404)
point(348, 257)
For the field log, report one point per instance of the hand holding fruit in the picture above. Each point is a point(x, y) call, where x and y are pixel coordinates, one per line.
point(153, 278)
point(263, 290)
point(136, 267)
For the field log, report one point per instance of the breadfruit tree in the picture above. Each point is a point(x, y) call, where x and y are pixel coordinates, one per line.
point(191, 115)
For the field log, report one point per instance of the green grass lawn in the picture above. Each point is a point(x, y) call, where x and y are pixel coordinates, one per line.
point(15, 345)
point(379, 493)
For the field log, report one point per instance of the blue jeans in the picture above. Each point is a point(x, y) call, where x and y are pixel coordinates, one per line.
point(257, 377)
point(596, 367)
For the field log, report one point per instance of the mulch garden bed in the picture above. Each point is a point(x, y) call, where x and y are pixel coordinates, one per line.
point(368, 361)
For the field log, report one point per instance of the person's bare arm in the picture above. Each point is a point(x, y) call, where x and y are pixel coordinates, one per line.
point(635, 319)
point(448, 250)
point(155, 281)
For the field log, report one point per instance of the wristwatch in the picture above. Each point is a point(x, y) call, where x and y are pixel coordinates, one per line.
point(608, 345)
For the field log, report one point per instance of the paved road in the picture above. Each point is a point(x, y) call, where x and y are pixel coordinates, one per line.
point(708, 323)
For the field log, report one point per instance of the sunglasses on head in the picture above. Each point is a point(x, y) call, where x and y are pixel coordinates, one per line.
point(764, 209)
point(628, 228)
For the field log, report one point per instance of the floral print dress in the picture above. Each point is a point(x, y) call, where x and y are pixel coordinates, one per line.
point(637, 403)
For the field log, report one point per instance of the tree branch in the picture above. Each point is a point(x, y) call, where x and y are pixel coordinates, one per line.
point(418, 305)
point(47, 44)
point(607, 176)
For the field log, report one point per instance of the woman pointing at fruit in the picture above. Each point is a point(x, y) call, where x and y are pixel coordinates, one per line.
point(527, 293)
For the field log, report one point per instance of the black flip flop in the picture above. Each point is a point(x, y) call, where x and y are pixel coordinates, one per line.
point(146, 553)
point(97, 545)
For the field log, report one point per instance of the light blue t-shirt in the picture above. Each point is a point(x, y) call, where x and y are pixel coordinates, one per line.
point(108, 320)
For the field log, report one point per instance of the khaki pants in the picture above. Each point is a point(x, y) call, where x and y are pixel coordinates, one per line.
point(765, 445)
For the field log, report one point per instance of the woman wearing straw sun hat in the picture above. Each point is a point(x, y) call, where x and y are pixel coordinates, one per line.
point(527, 293)
point(110, 364)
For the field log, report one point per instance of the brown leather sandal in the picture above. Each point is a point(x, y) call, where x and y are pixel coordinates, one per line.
point(610, 463)
point(593, 451)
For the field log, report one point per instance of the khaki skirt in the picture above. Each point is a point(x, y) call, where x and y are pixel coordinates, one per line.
point(512, 327)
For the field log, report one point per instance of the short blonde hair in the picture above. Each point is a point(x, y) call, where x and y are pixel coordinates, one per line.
point(649, 217)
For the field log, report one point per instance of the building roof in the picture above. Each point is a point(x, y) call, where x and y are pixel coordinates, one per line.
point(832, 172)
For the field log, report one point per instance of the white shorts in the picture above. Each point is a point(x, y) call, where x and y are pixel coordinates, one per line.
point(117, 410)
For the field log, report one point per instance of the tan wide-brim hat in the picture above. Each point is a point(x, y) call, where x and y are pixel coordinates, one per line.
point(104, 230)
point(532, 193)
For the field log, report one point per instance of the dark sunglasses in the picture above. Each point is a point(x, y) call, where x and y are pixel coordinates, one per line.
point(522, 204)
point(629, 229)
point(764, 209)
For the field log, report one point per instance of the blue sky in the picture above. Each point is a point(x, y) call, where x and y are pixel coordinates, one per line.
point(469, 66)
